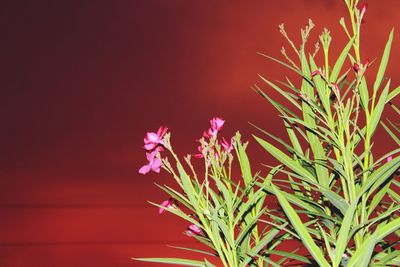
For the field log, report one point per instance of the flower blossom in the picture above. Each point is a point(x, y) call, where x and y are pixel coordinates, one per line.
point(216, 126)
point(152, 140)
point(166, 204)
point(194, 229)
point(154, 162)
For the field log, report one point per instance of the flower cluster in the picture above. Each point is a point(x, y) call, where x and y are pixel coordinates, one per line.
point(209, 140)
point(210, 145)
point(153, 144)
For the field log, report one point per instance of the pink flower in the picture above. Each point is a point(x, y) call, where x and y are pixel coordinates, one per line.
point(152, 140)
point(315, 73)
point(227, 146)
point(154, 162)
point(389, 158)
point(166, 204)
point(216, 126)
point(194, 229)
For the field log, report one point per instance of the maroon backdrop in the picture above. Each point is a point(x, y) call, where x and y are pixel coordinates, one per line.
point(81, 83)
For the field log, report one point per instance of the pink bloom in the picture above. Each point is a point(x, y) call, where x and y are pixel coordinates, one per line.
point(194, 229)
point(227, 146)
point(154, 162)
point(152, 140)
point(315, 73)
point(216, 124)
point(364, 8)
point(356, 67)
point(389, 158)
point(166, 204)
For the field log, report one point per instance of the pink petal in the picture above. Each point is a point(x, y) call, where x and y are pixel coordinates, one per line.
point(389, 158)
point(150, 146)
point(364, 7)
point(150, 156)
point(166, 204)
point(151, 138)
point(194, 229)
point(162, 131)
point(217, 123)
point(156, 164)
point(145, 169)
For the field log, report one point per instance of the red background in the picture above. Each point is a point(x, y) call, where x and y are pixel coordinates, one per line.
point(81, 83)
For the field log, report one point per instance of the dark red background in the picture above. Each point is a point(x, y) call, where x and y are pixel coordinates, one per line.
point(81, 83)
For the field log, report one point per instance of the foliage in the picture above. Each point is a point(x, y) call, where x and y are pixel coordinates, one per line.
point(336, 197)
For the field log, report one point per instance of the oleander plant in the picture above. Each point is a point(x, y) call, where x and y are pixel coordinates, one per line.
point(338, 200)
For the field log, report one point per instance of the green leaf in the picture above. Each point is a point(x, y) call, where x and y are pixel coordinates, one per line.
point(339, 62)
point(282, 63)
point(390, 132)
point(279, 90)
point(176, 195)
point(384, 61)
point(362, 256)
point(177, 212)
point(321, 88)
point(304, 174)
point(294, 165)
point(364, 94)
point(188, 186)
point(243, 160)
point(288, 255)
point(391, 259)
point(343, 236)
point(247, 230)
point(378, 197)
point(248, 205)
point(303, 232)
point(379, 176)
point(177, 261)
point(378, 109)
point(262, 244)
point(393, 94)
point(385, 230)
point(194, 250)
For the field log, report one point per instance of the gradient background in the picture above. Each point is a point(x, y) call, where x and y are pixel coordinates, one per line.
point(81, 83)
